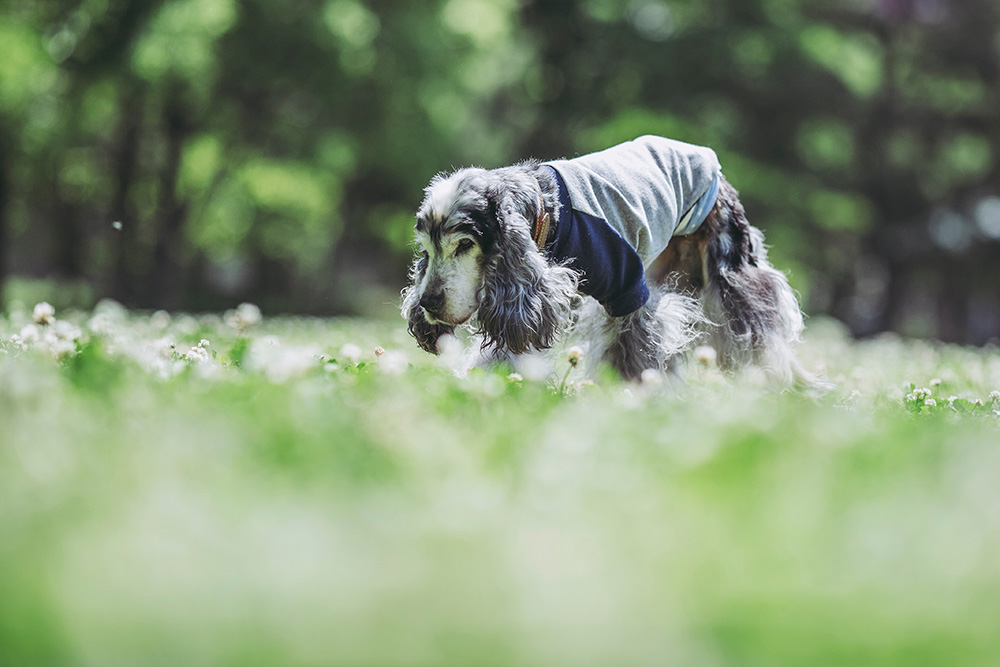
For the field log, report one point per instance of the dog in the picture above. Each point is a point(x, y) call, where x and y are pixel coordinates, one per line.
point(642, 249)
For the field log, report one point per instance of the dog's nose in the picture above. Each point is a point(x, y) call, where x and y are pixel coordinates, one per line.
point(432, 303)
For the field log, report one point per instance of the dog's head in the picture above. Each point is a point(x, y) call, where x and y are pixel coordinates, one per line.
point(476, 259)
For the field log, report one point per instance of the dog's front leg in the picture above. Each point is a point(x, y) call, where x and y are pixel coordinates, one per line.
point(656, 336)
point(635, 343)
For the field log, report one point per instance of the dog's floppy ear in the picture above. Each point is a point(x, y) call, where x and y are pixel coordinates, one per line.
point(425, 333)
point(524, 299)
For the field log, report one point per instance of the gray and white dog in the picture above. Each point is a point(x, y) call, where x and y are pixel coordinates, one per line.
point(641, 250)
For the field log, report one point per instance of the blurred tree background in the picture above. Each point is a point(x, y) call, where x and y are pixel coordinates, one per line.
point(190, 154)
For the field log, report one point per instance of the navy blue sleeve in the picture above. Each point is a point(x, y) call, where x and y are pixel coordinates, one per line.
point(610, 268)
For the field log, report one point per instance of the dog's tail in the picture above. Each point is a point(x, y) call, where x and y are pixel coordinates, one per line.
point(755, 309)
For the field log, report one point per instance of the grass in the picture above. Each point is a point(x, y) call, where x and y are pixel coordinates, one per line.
point(282, 495)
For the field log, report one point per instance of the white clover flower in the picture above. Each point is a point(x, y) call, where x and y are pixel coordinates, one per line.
point(160, 319)
point(245, 317)
point(30, 334)
point(706, 355)
point(185, 325)
point(60, 339)
point(515, 378)
point(198, 354)
point(280, 363)
point(994, 396)
point(534, 367)
point(66, 330)
point(935, 382)
point(109, 317)
point(393, 362)
point(59, 348)
point(102, 324)
point(44, 313)
point(18, 343)
point(629, 401)
point(850, 401)
point(161, 359)
point(451, 354)
point(351, 352)
point(574, 355)
point(651, 378)
point(163, 348)
point(930, 403)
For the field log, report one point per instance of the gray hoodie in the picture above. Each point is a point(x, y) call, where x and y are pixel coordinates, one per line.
point(619, 208)
point(642, 188)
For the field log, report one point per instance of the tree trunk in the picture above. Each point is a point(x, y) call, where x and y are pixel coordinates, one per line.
point(4, 194)
point(121, 216)
point(168, 288)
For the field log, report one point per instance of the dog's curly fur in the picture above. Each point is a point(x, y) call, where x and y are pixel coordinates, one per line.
point(479, 264)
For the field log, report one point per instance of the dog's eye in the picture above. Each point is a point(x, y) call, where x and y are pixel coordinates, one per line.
point(465, 245)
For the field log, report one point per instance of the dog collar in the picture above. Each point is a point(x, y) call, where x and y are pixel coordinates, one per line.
point(540, 230)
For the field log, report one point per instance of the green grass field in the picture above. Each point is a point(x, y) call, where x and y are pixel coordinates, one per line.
point(281, 495)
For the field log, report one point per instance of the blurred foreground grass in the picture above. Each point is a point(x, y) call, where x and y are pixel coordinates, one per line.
point(281, 495)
